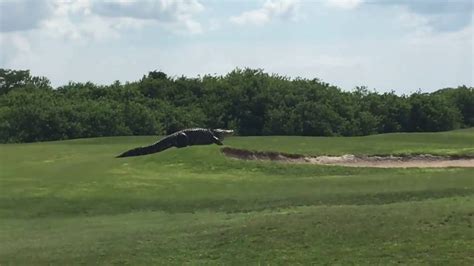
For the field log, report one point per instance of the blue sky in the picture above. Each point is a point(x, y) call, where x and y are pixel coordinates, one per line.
point(400, 45)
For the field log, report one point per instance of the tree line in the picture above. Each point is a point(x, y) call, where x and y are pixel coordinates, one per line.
point(250, 101)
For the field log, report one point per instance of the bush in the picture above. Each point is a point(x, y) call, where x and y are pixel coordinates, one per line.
point(249, 101)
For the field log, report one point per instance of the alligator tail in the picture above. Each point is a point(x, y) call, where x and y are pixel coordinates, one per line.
point(161, 145)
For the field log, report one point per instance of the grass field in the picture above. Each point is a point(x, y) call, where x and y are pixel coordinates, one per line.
point(72, 202)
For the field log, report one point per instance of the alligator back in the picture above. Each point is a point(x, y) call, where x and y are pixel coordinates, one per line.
point(198, 136)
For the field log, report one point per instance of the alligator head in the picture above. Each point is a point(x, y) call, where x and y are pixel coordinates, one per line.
point(222, 133)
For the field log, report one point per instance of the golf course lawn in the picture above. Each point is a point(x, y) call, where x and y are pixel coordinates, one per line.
point(71, 202)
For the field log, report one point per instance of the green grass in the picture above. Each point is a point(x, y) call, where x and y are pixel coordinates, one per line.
point(458, 142)
point(71, 202)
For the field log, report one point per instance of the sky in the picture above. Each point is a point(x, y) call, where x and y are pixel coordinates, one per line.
point(386, 45)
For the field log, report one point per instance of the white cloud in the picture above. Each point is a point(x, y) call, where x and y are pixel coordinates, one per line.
point(88, 19)
point(162, 10)
point(345, 4)
point(173, 15)
point(439, 15)
point(434, 15)
point(23, 15)
point(72, 20)
point(84, 21)
point(89, 28)
point(66, 7)
point(423, 24)
point(285, 9)
point(419, 24)
point(14, 47)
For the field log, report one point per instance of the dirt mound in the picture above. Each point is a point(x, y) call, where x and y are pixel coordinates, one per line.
point(425, 160)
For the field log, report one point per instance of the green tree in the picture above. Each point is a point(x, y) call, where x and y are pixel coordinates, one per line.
point(13, 79)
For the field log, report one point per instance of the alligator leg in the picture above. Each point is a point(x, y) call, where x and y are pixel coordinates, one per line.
point(182, 140)
point(216, 140)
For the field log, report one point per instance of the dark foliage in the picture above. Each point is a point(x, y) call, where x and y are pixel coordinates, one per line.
point(249, 101)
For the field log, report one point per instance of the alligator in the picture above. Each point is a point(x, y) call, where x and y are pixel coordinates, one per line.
point(180, 139)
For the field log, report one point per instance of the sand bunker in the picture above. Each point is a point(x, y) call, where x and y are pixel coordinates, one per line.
point(354, 161)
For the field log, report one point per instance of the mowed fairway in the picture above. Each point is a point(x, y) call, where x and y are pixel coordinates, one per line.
point(72, 202)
